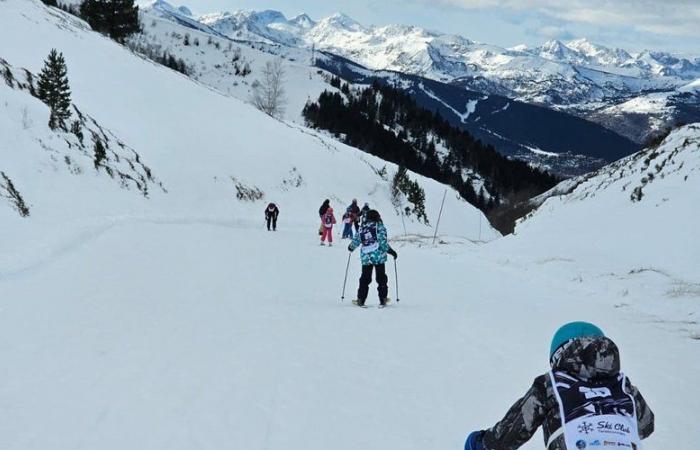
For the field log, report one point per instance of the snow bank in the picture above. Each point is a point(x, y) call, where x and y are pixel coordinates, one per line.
point(638, 213)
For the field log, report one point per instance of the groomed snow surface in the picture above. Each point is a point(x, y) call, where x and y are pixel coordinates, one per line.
point(177, 322)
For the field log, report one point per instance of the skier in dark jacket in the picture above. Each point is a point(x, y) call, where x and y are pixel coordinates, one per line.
point(354, 209)
point(374, 246)
point(271, 213)
point(583, 402)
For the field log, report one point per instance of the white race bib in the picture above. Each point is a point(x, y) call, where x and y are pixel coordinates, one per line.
point(596, 415)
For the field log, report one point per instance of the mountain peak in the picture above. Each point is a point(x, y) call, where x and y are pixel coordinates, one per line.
point(303, 20)
point(269, 16)
point(343, 21)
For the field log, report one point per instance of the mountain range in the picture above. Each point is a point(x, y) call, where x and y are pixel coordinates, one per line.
point(634, 94)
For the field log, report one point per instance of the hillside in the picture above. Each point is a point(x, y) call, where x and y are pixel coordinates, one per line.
point(579, 76)
point(204, 147)
point(555, 140)
point(156, 312)
point(639, 206)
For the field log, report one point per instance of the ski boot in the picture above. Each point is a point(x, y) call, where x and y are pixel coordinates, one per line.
point(358, 302)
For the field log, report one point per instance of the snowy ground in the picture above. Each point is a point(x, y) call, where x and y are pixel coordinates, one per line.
point(197, 334)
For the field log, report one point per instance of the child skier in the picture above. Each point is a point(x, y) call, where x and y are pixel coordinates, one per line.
point(327, 222)
point(355, 211)
point(347, 225)
point(321, 211)
point(271, 213)
point(583, 402)
point(374, 246)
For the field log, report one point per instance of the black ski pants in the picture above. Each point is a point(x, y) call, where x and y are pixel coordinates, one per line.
point(366, 279)
point(271, 220)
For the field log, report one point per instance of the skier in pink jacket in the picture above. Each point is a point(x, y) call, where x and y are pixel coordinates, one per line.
point(327, 222)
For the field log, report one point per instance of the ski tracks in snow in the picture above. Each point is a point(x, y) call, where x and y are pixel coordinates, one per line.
point(18, 264)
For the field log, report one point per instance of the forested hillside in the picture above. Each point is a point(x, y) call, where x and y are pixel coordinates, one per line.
point(386, 122)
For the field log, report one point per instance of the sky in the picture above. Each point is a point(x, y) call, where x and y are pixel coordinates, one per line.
point(670, 25)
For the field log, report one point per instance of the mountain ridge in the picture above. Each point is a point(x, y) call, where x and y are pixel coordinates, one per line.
point(578, 76)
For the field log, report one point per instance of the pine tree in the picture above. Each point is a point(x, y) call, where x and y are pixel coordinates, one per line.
point(53, 89)
point(116, 18)
point(100, 153)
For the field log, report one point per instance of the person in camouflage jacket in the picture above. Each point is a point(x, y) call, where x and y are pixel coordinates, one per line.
point(584, 358)
point(374, 247)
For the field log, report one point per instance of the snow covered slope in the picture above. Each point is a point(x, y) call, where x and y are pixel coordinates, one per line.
point(204, 147)
point(230, 67)
point(176, 322)
point(642, 205)
point(556, 72)
point(233, 66)
point(578, 76)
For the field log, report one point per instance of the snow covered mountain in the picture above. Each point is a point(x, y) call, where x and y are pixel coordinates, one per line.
point(154, 311)
point(578, 76)
point(413, 50)
point(187, 148)
point(514, 128)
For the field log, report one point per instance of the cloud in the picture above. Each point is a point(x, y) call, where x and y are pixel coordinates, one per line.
point(553, 32)
point(666, 17)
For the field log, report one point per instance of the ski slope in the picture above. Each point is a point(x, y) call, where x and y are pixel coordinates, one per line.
point(176, 321)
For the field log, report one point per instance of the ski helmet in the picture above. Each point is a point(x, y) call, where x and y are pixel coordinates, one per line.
point(573, 330)
point(373, 216)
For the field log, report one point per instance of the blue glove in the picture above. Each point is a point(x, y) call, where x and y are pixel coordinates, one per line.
point(475, 441)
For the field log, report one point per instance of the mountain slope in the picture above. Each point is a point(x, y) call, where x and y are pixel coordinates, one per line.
point(176, 322)
point(206, 148)
point(513, 128)
point(565, 144)
point(640, 205)
point(574, 76)
point(551, 73)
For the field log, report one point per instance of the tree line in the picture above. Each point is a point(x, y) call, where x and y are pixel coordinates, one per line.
point(387, 122)
point(116, 18)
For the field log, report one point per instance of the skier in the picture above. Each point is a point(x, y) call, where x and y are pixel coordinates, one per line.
point(583, 402)
point(364, 211)
point(271, 213)
point(355, 211)
point(374, 246)
point(321, 211)
point(327, 222)
point(347, 225)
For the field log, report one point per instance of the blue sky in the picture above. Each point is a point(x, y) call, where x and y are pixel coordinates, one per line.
point(670, 25)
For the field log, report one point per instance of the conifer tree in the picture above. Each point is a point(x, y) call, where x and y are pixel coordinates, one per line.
point(53, 89)
point(116, 18)
point(100, 153)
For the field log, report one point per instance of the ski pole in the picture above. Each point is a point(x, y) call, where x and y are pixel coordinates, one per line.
point(347, 267)
point(396, 277)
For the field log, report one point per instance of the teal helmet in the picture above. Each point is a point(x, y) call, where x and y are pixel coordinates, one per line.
point(573, 330)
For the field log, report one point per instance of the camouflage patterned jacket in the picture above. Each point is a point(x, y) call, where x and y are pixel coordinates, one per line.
point(585, 358)
point(375, 252)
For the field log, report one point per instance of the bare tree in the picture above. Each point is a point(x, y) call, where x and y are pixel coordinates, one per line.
point(268, 93)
